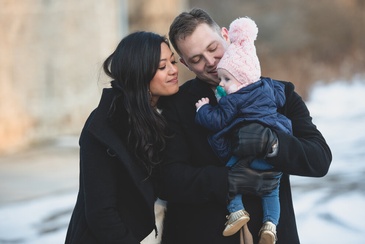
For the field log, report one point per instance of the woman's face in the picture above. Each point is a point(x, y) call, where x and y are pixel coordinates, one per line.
point(165, 82)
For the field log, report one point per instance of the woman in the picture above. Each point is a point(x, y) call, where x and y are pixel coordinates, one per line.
point(121, 143)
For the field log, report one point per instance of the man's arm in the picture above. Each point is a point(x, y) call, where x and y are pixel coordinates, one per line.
point(304, 153)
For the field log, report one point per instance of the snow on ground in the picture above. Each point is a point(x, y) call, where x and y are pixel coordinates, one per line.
point(39, 221)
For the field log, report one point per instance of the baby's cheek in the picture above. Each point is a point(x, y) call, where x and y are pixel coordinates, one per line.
point(232, 88)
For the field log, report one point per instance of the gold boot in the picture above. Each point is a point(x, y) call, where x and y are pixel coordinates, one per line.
point(267, 233)
point(235, 222)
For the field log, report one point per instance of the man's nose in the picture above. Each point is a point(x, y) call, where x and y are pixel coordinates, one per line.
point(210, 60)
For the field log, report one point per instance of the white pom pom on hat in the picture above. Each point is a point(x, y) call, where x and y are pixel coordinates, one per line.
point(240, 58)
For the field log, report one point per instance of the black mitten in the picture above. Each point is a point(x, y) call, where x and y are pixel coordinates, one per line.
point(253, 140)
point(244, 180)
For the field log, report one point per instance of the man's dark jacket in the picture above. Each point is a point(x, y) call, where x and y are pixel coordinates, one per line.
point(195, 181)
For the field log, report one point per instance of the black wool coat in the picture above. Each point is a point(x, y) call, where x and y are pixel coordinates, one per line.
point(115, 203)
point(195, 181)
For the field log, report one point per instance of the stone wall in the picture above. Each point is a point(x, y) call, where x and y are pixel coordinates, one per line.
point(50, 57)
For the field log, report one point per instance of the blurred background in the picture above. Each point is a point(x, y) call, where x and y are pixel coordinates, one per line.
point(51, 51)
point(51, 54)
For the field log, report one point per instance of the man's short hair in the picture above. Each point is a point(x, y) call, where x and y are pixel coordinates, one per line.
point(185, 24)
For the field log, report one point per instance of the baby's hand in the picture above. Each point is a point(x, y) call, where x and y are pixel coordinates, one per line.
point(201, 102)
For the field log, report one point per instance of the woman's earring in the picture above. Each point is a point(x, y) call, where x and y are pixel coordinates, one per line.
point(150, 93)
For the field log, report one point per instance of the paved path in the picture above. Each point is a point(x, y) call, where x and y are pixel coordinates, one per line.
point(49, 168)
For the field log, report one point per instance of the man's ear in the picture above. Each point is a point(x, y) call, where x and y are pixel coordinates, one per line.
point(224, 33)
point(183, 62)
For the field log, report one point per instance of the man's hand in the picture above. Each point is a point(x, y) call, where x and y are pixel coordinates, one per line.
point(244, 180)
point(254, 140)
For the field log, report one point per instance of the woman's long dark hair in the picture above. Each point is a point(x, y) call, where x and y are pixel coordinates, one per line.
point(132, 66)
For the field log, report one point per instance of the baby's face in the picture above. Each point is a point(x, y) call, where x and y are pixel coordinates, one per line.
point(226, 80)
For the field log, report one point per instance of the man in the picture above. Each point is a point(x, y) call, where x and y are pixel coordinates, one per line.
point(195, 183)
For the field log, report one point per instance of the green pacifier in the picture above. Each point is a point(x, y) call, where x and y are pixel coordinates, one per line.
point(221, 92)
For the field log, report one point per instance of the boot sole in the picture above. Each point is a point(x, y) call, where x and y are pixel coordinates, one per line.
point(231, 229)
point(267, 237)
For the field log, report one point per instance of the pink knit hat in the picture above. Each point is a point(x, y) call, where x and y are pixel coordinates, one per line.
point(240, 58)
